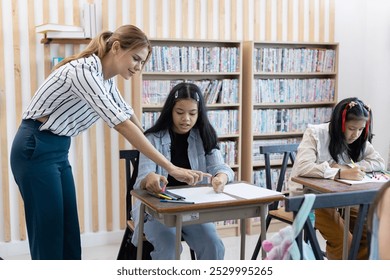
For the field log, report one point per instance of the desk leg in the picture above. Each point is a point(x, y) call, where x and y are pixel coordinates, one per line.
point(140, 231)
point(263, 228)
point(243, 236)
point(179, 224)
point(347, 213)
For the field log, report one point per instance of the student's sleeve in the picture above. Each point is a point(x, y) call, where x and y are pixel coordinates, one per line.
point(145, 166)
point(307, 163)
point(372, 160)
point(215, 164)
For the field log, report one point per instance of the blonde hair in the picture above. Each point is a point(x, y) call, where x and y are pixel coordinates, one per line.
point(129, 37)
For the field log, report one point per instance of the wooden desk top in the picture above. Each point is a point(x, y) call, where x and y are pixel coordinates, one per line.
point(161, 207)
point(329, 185)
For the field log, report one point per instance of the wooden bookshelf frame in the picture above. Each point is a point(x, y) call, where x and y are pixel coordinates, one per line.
point(249, 75)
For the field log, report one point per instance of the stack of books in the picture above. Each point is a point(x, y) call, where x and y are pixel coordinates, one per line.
point(64, 31)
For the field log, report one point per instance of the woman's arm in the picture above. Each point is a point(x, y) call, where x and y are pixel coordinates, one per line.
point(136, 121)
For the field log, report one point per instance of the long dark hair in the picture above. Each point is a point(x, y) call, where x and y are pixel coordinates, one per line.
point(346, 110)
point(165, 121)
point(129, 37)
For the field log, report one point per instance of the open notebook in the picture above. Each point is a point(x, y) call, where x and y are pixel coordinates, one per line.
point(231, 191)
point(367, 179)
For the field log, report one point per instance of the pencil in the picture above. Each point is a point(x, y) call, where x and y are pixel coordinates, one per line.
point(177, 201)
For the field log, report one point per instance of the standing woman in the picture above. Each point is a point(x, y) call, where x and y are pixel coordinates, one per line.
point(78, 92)
point(339, 149)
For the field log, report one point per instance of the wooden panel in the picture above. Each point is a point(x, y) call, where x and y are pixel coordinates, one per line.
point(18, 97)
point(32, 48)
point(210, 17)
point(145, 11)
point(279, 20)
point(184, 19)
point(311, 21)
point(290, 21)
point(321, 24)
point(268, 20)
point(159, 19)
point(121, 142)
point(93, 176)
point(233, 21)
point(197, 19)
point(3, 141)
point(46, 48)
point(245, 18)
point(301, 15)
point(331, 20)
point(222, 14)
point(256, 19)
point(172, 18)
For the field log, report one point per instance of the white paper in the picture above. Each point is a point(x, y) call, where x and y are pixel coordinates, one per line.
point(366, 179)
point(207, 194)
point(201, 194)
point(248, 191)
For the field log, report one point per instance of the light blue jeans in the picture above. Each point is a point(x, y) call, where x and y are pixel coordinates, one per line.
point(202, 238)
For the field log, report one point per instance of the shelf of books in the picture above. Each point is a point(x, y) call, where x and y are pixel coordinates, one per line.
point(216, 67)
point(286, 86)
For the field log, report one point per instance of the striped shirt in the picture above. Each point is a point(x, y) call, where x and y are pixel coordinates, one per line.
point(75, 96)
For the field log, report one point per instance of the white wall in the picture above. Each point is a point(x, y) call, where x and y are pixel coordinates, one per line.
point(363, 31)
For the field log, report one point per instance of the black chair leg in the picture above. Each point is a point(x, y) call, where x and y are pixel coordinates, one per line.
point(122, 248)
point(192, 254)
point(259, 241)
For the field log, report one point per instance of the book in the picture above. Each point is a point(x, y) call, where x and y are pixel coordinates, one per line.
point(44, 28)
point(65, 34)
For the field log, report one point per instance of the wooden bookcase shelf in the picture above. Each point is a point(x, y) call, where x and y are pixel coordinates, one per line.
point(65, 41)
point(286, 85)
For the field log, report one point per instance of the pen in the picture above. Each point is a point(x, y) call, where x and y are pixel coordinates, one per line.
point(177, 201)
point(159, 195)
point(353, 163)
point(164, 196)
point(168, 193)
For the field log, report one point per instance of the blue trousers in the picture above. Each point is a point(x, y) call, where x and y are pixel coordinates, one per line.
point(202, 238)
point(39, 163)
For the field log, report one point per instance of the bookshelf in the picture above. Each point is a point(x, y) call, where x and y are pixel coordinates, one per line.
point(286, 85)
point(215, 66)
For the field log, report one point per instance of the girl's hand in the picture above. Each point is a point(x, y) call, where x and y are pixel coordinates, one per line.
point(152, 182)
point(218, 182)
point(356, 173)
point(190, 177)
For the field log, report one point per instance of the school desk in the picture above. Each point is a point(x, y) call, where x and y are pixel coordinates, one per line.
point(238, 201)
point(320, 185)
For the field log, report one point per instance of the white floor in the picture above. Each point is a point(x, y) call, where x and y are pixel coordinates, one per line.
point(109, 252)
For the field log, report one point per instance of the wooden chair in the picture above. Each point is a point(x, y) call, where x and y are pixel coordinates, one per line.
point(127, 249)
point(333, 200)
point(274, 211)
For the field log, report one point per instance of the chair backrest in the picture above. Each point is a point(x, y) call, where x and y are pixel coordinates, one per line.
point(335, 200)
point(289, 152)
point(131, 158)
